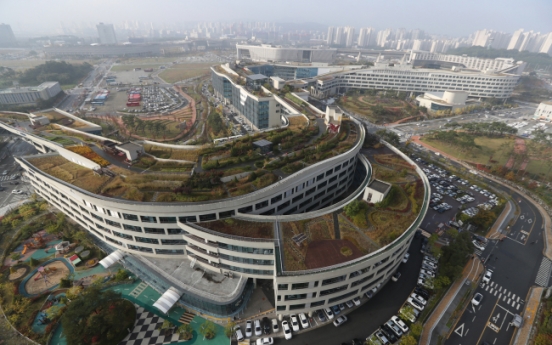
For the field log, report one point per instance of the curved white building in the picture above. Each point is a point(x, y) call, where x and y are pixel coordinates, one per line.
point(215, 252)
point(270, 53)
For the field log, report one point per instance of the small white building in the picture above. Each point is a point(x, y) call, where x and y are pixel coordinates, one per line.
point(448, 100)
point(333, 114)
point(544, 111)
point(132, 151)
point(376, 191)
point(277, 82)
point(37, 120)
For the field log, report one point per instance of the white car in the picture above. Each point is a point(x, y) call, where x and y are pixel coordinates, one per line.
point(275, 327)
point(17, 191)
point(340, 320)
point(477, 299)
point(356, 301)
point(330, 313)
point(239, 334)
point(487, 276)
point(287, 330)
point(430, 264)
point(476, 244)
point(405, 258)
point(248, 329)
point(415, 304)
point(350, 304)
point(258, 329)
point(265, 341)
point(294, 323)
point(430, 258)
point(427, 273)
point(419, 299)
point(400, 323)
point(396, 329)
point(304, 321)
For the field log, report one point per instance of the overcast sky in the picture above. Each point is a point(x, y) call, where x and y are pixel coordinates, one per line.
point(455, 18)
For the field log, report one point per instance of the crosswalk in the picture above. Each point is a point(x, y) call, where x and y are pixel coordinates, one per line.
point(5, 178)
point(503, 295)
point(544, 272)
point(478, 252)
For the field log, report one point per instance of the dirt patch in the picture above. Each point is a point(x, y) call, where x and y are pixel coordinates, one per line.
point(328, 253)
point(36, 284)
point(20, 271)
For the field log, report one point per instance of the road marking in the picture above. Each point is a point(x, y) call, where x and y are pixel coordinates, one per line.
point(474, 318)
point(543, 274)
point(524, 232)
point(493, 327)
point(491, 290)
point(500, 290)
point(509, 300)
point(460, 330)
point(495, 292)
point(499, 296)
point(509, 292)
point(517, 299)
point(518, 306)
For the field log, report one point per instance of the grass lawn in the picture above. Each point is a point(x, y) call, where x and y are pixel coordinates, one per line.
point(498, 148)
point(184, 71)
point(130, 67)
point(21, 65)
point(170, 153)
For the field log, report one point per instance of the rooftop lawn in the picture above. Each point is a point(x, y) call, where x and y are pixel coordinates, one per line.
point(242, 228)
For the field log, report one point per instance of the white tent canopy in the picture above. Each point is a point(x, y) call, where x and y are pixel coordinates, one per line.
point(112, 258)
point(169, 298)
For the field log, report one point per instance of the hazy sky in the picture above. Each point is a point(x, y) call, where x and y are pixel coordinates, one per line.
point(455, 18)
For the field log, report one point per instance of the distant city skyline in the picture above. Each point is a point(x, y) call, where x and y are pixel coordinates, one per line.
point(432, 16)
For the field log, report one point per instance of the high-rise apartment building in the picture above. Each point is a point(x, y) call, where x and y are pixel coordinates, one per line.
point(339, 36)
point(349, 33)
point(106, 33)
point(331, 35)
point(6, 35)
point(547, 45)
point(515, 41)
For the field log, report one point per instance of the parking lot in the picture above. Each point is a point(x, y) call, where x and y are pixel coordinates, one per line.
point(449, 195)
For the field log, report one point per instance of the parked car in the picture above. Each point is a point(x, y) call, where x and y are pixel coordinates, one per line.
point(487, 276)
point(476, 244)
point(17, 191)
point(400, 323)
point(419, 298)
point(258, 329)
point(265, 341)
point(389, 333)
point(275, 326)
point(350, 304)
point(238, 333)
point(394, 328)
point(304, 321)
point(266, 325)
point(427, 273)
point(340, 320)
point(330, 313)
point(381, 338)
point(248, 329)
point(405, 258)
point(294, 323)
point(356, 301)
point(287, 330)
point(415, 304)
point(321, 316)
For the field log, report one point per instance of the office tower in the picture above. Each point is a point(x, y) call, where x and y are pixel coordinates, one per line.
point(106, 33)
point(6, 35)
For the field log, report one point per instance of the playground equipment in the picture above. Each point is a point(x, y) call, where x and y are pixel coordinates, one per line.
point(25, 248)
point(36, 242)
point(63, 247)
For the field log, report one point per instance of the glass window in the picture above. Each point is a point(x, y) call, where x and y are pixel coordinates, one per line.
point(146, 240)
point(282, 286)
point(97, 217)
point(130, 217)
point(187, 219)
point(154, 231)
point(173, 242)
point(121, 235)
point(148, 219)
point(169, 251)
point(226, 214)
point(132, 228)
point(333, 280)
point(112, 223)
point(142, 249)
point(296, 306)
point(207, 217)
point(165, 220)
point(299, 286)
point(175, 231)
point(317, 304)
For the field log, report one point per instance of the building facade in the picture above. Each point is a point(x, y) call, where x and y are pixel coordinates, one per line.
point(29, 95)
point(106, 34)
point(270, 53)
point(544, 111)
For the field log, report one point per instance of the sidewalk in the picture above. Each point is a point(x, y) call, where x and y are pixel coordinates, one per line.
point(473, 270)
point(507, 214)
point(524, 334)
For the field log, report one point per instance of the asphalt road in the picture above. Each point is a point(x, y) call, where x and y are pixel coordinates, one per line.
point(16, 147)
point(515, 263)
point(369, 316)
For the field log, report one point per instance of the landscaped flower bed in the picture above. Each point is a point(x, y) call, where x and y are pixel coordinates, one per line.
point(87, 152)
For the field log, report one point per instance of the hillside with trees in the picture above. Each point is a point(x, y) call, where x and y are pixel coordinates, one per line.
point(63, 72)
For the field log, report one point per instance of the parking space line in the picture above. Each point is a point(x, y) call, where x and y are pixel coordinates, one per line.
point(499, 296)
point(495, 292)
point(509, 292)
point(517, 299)
point(508, 301)
point(491, 290)
point(518, 306)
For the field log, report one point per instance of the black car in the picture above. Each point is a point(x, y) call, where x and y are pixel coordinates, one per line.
point(389, 333)
point(266, 325)
point(357, 342)
point(422, 292)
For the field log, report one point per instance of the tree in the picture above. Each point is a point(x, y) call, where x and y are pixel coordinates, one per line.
point(389, 136)
point(353, 208)
point(406, 312)
point(441, 281)
point(97, 316)
point(416, 329)
point(408, 340)
point(186, 331)
point(229, 329)
point(207, 329)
